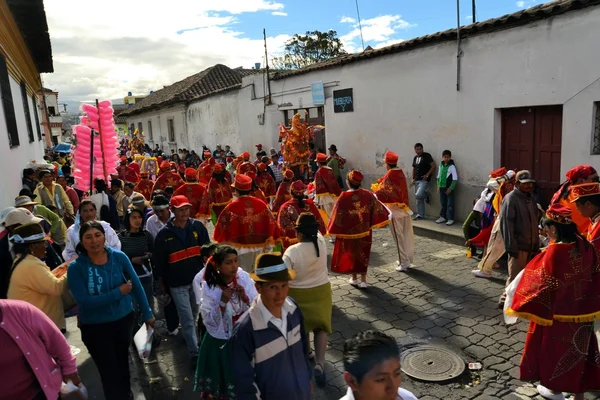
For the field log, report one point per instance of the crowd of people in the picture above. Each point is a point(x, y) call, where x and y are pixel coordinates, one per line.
point(248, 299)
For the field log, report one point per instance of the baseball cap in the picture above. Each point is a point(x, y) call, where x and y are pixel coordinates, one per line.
point(20, 216)
point(524, 176)
point(180, 201)
point(4, 213)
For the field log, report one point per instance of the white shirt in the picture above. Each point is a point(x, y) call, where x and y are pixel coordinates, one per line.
point(311, 271)
point(112, 240)
point(402, 395)
point(280, 323)
point(154, 225)
point(100, 199)
point(219, 324)
point(197, 285)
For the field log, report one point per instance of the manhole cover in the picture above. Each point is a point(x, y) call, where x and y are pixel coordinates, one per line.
point(433, 364)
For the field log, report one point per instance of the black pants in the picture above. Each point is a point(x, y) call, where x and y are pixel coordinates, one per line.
point(108, 345)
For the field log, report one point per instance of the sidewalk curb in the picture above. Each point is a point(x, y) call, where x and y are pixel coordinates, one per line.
point(448, 237)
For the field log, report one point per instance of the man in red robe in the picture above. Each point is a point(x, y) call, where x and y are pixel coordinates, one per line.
point(167, 178)
point(121, 169)
point(245, 167)
point(265, 181)
point(559, 293)
point(218, 195)
point(256, 191)
point(355, 214)
point(192, 190)
point(327, 188)
point(393, 192)
point(131, 176)
point(247, 225)
point(290, 211)
point(283, 191)
point(145, 186)
point(586, 198)
point(575, 176)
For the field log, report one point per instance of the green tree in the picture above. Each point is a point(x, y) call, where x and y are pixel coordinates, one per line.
point(304, 50)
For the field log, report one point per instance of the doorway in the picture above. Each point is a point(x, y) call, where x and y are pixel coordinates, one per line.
point(531, 139)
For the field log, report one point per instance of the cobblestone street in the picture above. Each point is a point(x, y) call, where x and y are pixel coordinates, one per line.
point(439, 302)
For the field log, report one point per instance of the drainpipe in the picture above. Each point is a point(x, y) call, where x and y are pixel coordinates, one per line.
point(458, 51)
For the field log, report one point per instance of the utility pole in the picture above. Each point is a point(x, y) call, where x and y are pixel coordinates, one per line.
point(474, 10)
point(268, 97)
point(458, 45)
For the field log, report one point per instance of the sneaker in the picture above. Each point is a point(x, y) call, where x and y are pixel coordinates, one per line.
point(363, 285)
point(547, 394)
point(450, 222)
point(398, 262)
point(417, 217)
point(332, 240)
point(480, 274)
point(440, 220)
point(353, 282)
point(174, 333)
point(403, 268)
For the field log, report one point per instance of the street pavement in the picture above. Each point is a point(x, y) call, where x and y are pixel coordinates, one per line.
point(439, 302)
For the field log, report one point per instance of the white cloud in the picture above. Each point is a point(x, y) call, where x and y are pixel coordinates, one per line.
point(347, 20)
point(469, 18)
point(279, 13)
point(521, 4)
point(375, 30)
point(107, 56)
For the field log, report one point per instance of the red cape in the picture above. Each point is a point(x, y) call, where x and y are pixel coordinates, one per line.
point(583, 223)
point(245, 167)
point(266, 183)
point(168, 179)
point(326, 182)
point(393, 189)
point(218, 195)
point(288, 215)
point(355, 213)
point(257, 193)
point(194, 192)
point(247, 223)
point(144, 187)
point(283, 195)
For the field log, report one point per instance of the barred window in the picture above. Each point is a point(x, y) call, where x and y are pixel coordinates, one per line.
point(596, 141)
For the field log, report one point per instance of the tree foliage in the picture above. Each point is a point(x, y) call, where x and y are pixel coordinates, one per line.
point(304, 50)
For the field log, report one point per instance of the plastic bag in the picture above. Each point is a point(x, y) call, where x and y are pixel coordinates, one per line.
point(69, 391)
point(143, 341)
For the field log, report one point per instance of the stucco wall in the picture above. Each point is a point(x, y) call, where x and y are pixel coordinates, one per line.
point(13, 161)
point(213, 121)
point(411, 97)
point(160, 132)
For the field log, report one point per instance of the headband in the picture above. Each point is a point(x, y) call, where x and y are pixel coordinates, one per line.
point(161, 207)
point(18, 239)
point(270, 270)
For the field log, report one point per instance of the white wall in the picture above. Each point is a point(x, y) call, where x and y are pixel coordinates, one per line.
point(411, 97)
point(13, 161)
point(160, 133)
point(213, 121)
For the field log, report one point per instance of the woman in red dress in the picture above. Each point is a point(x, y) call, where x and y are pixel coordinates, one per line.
point(559, 292)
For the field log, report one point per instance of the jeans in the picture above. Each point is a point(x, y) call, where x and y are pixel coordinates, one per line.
point(185, 301)
point(108, 344)
point(421, 195)
point(447, 201)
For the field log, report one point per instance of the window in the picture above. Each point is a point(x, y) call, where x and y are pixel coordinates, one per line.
point(7, 104)
point(140, 128)
point(150, 131)
point(131, 128)
point(171, 128)
point(596, 142)
point(37, 119)
point(51, 111)
point(27, 112)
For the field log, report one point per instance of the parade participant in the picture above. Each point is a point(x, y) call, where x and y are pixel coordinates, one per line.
point(51, 194)
point(393, 192)
point(327, 188)
point(283, 191)
point(423, 168)
point(230, 167)
point(372, 368)
point(133, 172)
point(311, 288)
point(193, 190)
point(177, 260)
point(356, 213)
point(118, 195)
point(256, 191)
point(269, 344)
point(145, 186)
point(290, 211)
point(586, 197)
point(58, 230)
point(559, 293)
point(205, 174)
point(87, 213)
point(266, 182)
point(226, 294)
point(245, 167)
point(336, 163)
point(247, 225)
point(103, 281)
point(575, 176)
point(31, 280)
point(122, 168)
point(218, 195)
point(167, 178)
point(36, 357)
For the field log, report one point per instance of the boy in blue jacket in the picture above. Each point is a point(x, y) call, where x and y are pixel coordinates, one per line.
point(446, 180)
point(269, 345)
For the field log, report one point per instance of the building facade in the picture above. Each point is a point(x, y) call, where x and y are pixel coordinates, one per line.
point(25, 52)
point(52, 118)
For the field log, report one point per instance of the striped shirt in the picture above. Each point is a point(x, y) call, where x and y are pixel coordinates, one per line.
point(277, 172)
point(137, 244)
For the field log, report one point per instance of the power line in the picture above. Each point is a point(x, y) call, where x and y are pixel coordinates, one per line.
point(360, 26)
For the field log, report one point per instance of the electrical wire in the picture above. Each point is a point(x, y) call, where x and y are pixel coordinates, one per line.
point(360, 26)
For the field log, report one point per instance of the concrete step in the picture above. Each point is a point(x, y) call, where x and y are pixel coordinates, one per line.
point(450, 234)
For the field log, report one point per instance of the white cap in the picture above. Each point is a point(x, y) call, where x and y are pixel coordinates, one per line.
point(20, 216)
point(4, 213)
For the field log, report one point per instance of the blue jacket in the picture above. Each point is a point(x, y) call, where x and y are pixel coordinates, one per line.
point(267, 365)
point(96, 288)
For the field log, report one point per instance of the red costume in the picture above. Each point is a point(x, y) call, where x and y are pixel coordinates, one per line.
point(121, 169)
point(326, 183)
point(562, 197)
point(205, 173)
point(144, 187)
point(265, 181)
point(245, 167)
point(131, 176)
point(393, 189)
point(559, 292)
point(290, 211)
point(583, 190)
point(355, 214)
point(168, 178)
point(193, 191)
point(283, 192)
point(218, 196)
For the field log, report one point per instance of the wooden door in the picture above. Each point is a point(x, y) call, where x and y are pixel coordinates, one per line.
point(531, 139)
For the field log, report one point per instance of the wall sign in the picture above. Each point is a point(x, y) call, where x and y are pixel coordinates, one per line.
point(318, 93)
point(343, 101)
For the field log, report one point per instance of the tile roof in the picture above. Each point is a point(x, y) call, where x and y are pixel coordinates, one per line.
point(508, 21)
point(216, 79)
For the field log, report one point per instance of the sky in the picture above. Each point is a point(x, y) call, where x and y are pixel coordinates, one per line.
point(104, 49)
